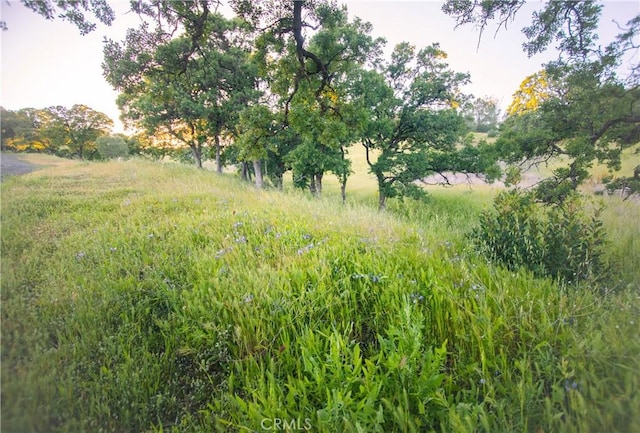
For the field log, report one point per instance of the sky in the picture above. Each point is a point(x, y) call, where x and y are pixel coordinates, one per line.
point(45, 63)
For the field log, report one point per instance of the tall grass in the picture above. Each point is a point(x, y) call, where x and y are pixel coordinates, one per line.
point(147, 297)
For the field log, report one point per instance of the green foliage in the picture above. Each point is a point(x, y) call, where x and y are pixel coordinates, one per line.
point(587, 119)
point(483, 114)
point(187, 90)
point(562, 242)
point(410, 122)
point(72, 132)
point(20, 130)
point(312, 120)
point(73, 11)
point(572, 25)
point(68, 132)
point(110, 147)
point(579, 107)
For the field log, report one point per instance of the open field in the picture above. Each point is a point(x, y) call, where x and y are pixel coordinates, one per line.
point(139, 296)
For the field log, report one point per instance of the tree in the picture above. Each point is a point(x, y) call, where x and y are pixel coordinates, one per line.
point(110, 147)
point(73, 11)
point(305, 88)
point(20, 130)
point(74, 131)
point(483, 113)
point(533, 90)
point(578, 107)
point(190, 87)
point(588, 119)
point(410, 129)
point(569, 23)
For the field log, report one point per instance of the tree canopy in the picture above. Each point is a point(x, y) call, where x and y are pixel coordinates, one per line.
point(190, 87)
point(582, 107)
point(74, 11)
point(410, 126)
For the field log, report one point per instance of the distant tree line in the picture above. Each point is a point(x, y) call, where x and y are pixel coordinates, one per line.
point(67, 132)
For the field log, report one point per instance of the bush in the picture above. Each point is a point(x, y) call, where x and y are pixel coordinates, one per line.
point(561, 241)
point(492, 133)
point(112, 147)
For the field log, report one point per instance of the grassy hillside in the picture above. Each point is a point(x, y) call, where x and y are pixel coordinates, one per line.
point(155, 297)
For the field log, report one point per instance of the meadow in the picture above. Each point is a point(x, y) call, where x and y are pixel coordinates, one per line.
point(154, 297)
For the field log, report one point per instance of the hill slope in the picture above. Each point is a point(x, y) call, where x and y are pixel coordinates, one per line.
point(140, 296)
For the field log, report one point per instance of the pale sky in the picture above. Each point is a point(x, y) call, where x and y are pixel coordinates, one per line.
point(47, 63)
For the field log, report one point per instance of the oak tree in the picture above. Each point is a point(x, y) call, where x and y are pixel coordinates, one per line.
point(190, 87)
point(580, 107)
point(410, 129)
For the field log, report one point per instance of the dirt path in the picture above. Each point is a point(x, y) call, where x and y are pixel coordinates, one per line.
point(12, 165)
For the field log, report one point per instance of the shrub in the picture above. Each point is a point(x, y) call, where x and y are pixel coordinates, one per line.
point(561, 241)
point(112, 147)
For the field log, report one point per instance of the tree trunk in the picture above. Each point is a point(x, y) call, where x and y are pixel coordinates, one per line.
point(243, 171)
point(317, 180)
point(218, 151)
point(382, 201)
point(257, 168)
point(382, 197)
point(312, 186)
point(197, 156)
point(343, 189)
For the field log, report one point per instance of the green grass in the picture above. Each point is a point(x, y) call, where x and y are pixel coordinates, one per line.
point(155, 297)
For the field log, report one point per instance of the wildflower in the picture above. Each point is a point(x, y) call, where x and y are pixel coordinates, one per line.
point(305, 249)
point(416, 297)
point(307, 236)
point(247, 299)
point(222, 252)
point(81, 255)
point(150, 235)
point(482, 381)
point(113, 249)
point(570, 385)
point(237, 224)
point(241, 240)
